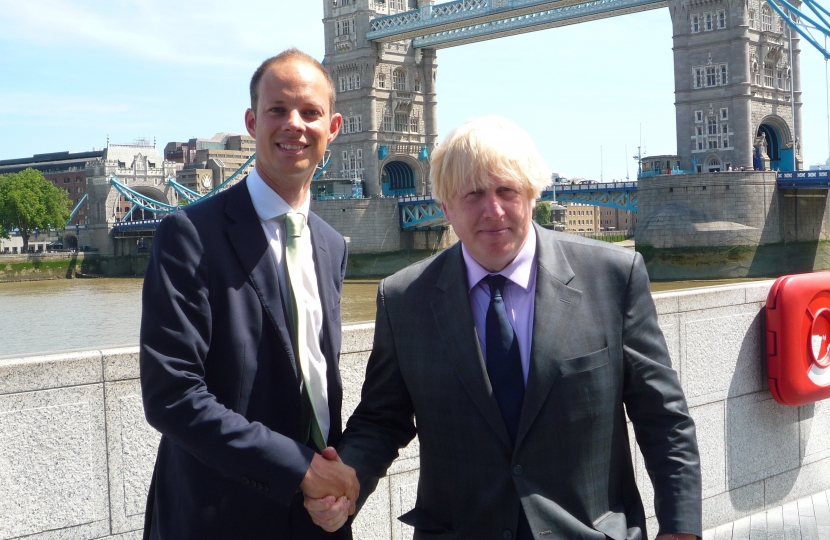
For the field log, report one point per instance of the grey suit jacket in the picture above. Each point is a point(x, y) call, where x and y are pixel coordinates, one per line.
point(597, 353)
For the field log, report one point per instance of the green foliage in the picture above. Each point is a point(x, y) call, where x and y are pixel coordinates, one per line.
point(28, 202)
point(541, 214)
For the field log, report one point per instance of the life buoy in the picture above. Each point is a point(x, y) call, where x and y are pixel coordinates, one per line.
point(798, 338)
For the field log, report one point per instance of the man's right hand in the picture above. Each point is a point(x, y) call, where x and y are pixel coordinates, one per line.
point(329, 479)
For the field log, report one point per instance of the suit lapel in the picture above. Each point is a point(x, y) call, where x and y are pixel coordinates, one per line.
point(454, 318)
point(323, 268)
point(247, 238)
point(554, 304)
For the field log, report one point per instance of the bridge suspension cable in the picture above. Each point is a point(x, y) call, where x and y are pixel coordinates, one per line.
point(819, 11)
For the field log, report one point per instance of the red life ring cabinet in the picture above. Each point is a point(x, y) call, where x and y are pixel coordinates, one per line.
point(798, 338)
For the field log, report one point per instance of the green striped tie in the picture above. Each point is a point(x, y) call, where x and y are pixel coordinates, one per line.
point(294, 224)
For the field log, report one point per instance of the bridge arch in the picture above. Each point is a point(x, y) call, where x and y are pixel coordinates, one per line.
point(402, 175)
point(775, 136)
point(121, 209)
point(713, 164)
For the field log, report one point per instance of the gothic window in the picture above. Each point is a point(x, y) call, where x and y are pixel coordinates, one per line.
point(66, 180)
point(707, 21)
point(381, 80)
point(721, 19)
point(400, 5)
point(401, 122)
point(413, 121)
point(417, 85)
point(387, 123)
point(724, 114)
point(711, 76)
point(342, 81)
point(698, 116)
point(712, 125)
point(769, 79)
point(752, 22)
point(756, 74)
point(698, 77)
point(695, 24)
point(766, 18)
point(356, 80)
point(399, 79)
point(723, 75)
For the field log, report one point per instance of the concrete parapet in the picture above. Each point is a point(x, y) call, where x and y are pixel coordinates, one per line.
point(76, 454)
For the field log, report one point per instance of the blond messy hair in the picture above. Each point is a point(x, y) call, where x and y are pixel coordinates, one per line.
point(484, 149)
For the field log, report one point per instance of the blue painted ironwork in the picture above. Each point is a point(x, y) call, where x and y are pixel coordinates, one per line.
point(822, 26)
point(804, 180)
point(188, 194)
point(78, 206)
point(622, 195)
point(138, 225)
point(142, 201)
point(464, 21)
point(420, 211)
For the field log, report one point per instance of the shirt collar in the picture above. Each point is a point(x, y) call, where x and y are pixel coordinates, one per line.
point(267, 203)
point(518, 271)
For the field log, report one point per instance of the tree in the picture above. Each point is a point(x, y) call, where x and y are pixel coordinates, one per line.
point(29, 202)
point(542, 213)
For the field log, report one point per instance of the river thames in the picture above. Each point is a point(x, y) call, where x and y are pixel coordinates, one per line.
point(70, 314)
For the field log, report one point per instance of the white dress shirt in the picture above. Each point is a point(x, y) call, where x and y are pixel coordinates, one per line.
point(270, 207)
point(519, 293)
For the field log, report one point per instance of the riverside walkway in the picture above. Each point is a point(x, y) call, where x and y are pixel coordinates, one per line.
point(807, 518)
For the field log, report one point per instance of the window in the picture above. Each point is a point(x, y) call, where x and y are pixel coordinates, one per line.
point(769, 69)
point(756, 74)
point(344, 27)
point(417, 85)
point(707, 22)
point(711, 76)
point(698, 77)
point(352, 124)
point(66, 180)
point(781, 79)
point(698, 116)
point(381, 80)
point(724, 114)
point(712, 125)
point(413, 121)
point(752, 22)
point(399, 79)
point(699, 131)
point(79, 179)
point(724, 128)
point(695, 24)
point(723, 75)
point(721, 19)
point(766, 18)
point(387, 123)
point(80, 189)
point(401, 122)
point(400, 5)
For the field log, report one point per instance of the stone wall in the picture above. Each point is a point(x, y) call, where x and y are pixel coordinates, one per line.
point(373, 226)
point(76, 454)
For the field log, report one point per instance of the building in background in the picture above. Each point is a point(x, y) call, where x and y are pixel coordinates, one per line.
point(207, 163)
point(66, 170)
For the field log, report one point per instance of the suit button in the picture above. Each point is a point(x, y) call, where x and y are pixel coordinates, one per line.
point(517, 470)
point(507, 534)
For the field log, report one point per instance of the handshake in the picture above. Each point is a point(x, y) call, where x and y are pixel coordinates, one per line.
point(330, 489)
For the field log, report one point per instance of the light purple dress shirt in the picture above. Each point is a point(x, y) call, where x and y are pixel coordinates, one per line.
point(519, 292)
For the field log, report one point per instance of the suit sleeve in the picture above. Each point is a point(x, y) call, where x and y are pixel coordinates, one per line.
point(175, 339)
point(656, 405)
point(383, 422)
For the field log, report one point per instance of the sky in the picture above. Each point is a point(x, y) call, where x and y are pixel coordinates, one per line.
point(74, 73)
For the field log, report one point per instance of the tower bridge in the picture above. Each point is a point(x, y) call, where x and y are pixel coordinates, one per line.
point(737, 97)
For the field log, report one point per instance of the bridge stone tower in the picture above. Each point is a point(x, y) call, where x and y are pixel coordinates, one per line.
point(737, 86)
point(386, 94)
point(138, 166)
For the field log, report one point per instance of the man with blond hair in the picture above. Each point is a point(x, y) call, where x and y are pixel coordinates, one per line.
point(515, 356)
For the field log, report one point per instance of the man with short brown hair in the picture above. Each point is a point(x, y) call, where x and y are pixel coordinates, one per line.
point(240, 335)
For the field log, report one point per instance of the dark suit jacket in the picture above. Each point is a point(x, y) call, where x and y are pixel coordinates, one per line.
point(219, 378)
point(597, 353)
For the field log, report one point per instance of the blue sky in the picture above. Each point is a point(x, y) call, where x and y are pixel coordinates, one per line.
point(73, 72)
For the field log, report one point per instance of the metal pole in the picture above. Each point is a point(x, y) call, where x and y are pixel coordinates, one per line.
point(792, 92)
point(827, 92)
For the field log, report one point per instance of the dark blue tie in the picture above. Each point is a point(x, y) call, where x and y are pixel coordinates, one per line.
point(504, 363)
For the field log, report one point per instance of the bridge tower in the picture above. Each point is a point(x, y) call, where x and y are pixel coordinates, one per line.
point(737, 86)
point(386, 94)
